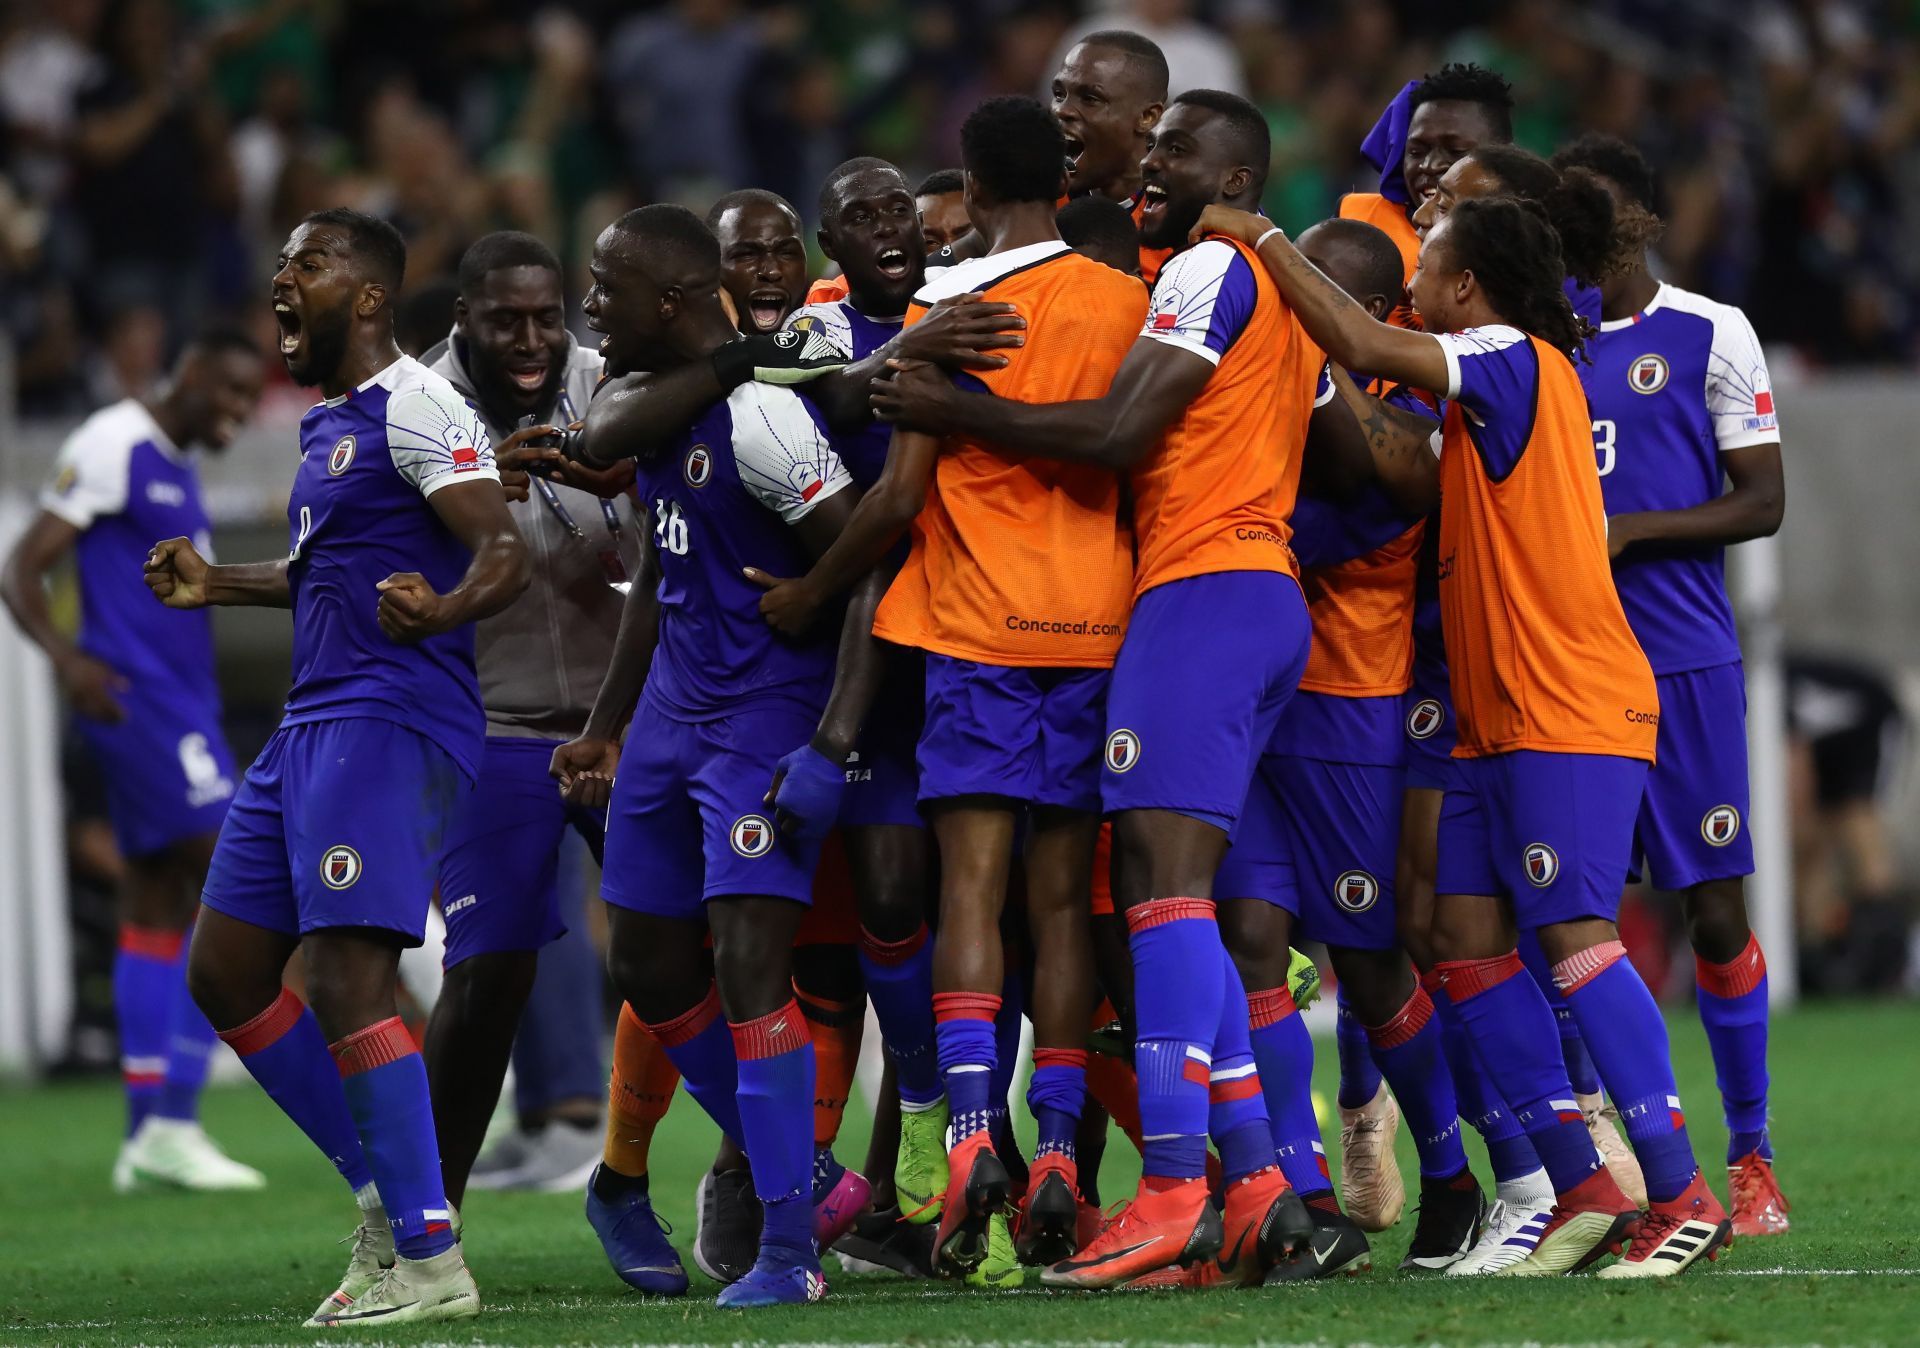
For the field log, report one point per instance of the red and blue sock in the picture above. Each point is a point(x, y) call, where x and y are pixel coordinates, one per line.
point(699, 1043)
point(1283, 1051)
point(775, 1056)
point(1359, 1074)
point(1177, 956)
point(1514, 1038)
point(1509, 1152)
point(1056, 1094)
point(1733, 1008)
point(1581, 1073)
point(1236, 1109)
point(899, 979)
point(1628, 1039)
point(963, 1030)
point(146, 978)
point(385, 1081)
point(286, 1053)
point(1408, 1050)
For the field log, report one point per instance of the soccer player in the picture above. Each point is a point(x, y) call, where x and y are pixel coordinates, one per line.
point(401, 541)
point(145, 698)
point(1681, 399)
point(1107, 95)
point(1101, 229)
point(1208, 416)
point(763, 257)
point(539, 663)
point(943, 209)
point(1558, 715)
point(716, 700)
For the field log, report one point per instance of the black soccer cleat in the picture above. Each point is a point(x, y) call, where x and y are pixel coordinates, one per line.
point(1337, 1246)
point(1453, 1212)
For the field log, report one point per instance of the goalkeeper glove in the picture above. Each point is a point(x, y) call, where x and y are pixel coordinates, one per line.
point(791, 357)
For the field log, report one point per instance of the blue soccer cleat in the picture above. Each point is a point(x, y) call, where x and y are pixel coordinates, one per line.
point(634, 1237)
point(780, 1277)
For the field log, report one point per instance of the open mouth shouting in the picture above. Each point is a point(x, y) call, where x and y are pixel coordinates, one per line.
point(767, 309)
point(1153, 202)
point(894, 264)
point(1075, 148)
point(528, 376)
point(292, 328)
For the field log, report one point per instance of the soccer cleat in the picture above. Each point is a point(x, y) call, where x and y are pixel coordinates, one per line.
point(413, 1291)
point(726, 1229)
point(1336, 1247)
point(372, 1256)
point(634, 1238)
point(779, 1277)
point(1369, 1174)
point(177, 1153)
point(1511, 1232)
point(1050, 1216)
point(1175, 1225)
point(1603, 1122)
point(1676, 1235)
point(1589, 1222)
point(1450, 1221)
point(840, 1195)
point(976, 1188)
point(1303, 978)
point(1759, 1208)
point(1001, 1269)
point(885, 1242)
point(1264, 1224)
point(920, 1163)
point(555, 1159)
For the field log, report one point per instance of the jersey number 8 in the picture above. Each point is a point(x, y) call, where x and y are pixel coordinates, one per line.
point(669, 527)
point(1603, 444)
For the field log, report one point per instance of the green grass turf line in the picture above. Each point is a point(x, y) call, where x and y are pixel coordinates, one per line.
point(79, 1265)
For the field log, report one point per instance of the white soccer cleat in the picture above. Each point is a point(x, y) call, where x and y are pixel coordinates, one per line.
point(1603, 1122)
point(413, 1291)
point(178, 1153)
point(1512, 1233)
point(1676, 1235)
point(372, 1256)
point(1372, 1191)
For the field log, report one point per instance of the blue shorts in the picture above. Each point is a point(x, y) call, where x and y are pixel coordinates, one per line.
point(689, 820)
point(883, 775)
point(1031, 735)
point(1552, 832)
point(1207, 666)
point(338, 824)
point(499, 879)
point(1320, 839)
point(1693, 819)
point(1431, 729)
point(169, 774)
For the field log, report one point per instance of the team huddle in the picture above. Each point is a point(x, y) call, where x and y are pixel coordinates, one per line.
point(1085, 596)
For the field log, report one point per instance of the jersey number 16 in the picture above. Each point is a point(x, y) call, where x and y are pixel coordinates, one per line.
point(1603, 444)
point(669, 527)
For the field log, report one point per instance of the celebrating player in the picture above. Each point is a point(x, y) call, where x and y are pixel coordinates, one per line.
point(1110, 90)
point(141, 682)
point(401, 540)
point(763, 257)
point(1680, 398)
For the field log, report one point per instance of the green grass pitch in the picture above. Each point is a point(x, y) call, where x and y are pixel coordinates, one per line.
point(78, 1265)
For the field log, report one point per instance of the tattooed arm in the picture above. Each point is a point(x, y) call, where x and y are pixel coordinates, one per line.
point(1401, 444)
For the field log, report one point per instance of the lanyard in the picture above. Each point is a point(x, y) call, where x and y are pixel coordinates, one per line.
point(611, 566)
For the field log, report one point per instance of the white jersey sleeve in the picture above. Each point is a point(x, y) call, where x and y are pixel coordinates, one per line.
point(435, 439)
point(90, 476)
point(1739, 392)
point(828, 322)
point(1203, 300)
point(781, 453)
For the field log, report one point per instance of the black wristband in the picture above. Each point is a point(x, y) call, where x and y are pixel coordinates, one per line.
point(733, 364)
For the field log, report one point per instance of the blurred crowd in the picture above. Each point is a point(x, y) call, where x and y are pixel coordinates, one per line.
point(154, 152)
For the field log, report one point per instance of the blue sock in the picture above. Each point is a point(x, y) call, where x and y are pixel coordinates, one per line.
point(1408, 1050)
point(1359, 1075)
point(899, 978)
point(1628, 1038)
point(189, 1044)
point(1284, 1053)
point(1177, 957)
point(1573, 1047)
point(775, 1055)
point(1733, 1009)
point(385, 1082)
point(963, 1029)
point(146, 972)
point(1509, 1151)
point(1056, 1095)
point(285, 1052)
point(699, 1043)
point(1236, 1109)
point(1513, 1036)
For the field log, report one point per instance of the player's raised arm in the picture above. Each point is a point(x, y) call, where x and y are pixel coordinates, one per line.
point(1399, 443)
point(960, 332)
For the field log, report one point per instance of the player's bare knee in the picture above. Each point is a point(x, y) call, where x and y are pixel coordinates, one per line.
point(1716, 914)
point(1469, 927)
point(352, 980)
point(1377, 983)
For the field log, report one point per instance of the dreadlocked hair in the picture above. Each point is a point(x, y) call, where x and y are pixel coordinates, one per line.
point(1578, 207)
point(1510, 246)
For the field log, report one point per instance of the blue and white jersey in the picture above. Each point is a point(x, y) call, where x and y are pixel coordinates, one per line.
point(855, 336)
point(1203, 300)
point(1672, 389)
point(369, 460)
point(724, 498)
point(125, 486)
